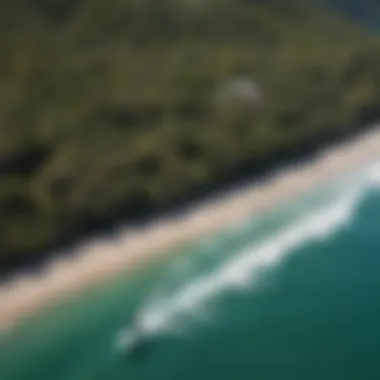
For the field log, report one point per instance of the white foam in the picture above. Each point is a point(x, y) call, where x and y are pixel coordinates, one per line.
point(240, 270)
point(373, 174)
point(246, 267)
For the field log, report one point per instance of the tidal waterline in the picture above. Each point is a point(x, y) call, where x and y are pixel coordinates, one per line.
point(291, 294)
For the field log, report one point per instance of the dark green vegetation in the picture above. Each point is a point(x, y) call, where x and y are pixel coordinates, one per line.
point(108, 106)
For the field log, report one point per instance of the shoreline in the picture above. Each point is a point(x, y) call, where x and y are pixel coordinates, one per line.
point(99, 258)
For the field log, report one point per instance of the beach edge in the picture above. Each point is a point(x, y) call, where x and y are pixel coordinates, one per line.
point(100, 258)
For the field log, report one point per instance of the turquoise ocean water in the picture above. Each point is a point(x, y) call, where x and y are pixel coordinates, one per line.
point(290, 294)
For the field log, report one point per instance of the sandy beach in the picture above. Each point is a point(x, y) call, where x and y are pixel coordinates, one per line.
point(99, 258)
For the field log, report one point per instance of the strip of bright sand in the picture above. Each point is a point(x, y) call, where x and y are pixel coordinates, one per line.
point(100, 258)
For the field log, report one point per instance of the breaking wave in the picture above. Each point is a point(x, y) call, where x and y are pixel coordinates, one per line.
point(244, 268)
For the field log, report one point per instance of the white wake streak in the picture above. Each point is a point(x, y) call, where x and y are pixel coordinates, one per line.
point(242, 269)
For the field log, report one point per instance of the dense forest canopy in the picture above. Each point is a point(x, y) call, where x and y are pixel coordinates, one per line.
point(109, 108)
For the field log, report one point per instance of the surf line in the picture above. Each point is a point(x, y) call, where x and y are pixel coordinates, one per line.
point(160, 314)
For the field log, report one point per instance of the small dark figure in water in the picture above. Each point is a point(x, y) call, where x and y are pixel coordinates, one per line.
point(138, 351)
point(135, 343)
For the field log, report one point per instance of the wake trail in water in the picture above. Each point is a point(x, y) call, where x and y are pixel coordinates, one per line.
point(245, 268)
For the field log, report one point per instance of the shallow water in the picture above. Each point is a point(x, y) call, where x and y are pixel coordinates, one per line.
point(290, 294)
